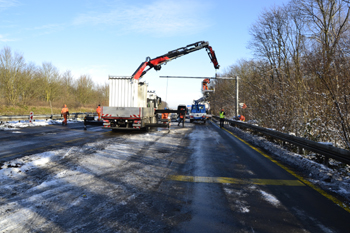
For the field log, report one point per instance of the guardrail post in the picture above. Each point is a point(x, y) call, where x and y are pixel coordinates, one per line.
point(300, 150)
point(326, 161)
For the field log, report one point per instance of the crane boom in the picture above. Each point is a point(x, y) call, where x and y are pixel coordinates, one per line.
point(171, 55)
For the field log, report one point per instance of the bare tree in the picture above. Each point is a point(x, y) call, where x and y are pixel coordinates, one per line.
point(50, 87)
point(298, 81)
point(102, 94)
point(84, 89)
point(23, 84)
point(11, 67)
point(28, 85)
point(328, 23)
point(275, 42)
point(68, 90)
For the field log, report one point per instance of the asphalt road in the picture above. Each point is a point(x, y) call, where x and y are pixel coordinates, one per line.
point(231, 187)
point(195, 179)
point(31, 140)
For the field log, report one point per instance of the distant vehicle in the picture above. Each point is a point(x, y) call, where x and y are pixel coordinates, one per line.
point(198, 113)
point(173, 117)
point(188, 111)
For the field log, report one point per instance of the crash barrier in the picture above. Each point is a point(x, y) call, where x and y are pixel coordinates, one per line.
point(328, 151)
point(40, 117)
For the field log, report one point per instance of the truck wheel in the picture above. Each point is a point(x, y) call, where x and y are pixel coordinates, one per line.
point(204, 122)
point(191, 121)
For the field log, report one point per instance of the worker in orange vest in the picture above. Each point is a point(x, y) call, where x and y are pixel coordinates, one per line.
point(165, 116)
point(98, 111)
point(181, 117)
point(64, 113)
point(205, 84)
point(242, 118)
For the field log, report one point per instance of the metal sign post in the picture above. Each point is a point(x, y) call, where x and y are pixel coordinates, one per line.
point(237, 97)
point(218, 78)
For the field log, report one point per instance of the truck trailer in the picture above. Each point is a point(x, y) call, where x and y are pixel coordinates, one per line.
point(131, 106)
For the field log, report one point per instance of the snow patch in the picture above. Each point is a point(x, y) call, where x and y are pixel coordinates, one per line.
point(15, 125)
point(270, 198)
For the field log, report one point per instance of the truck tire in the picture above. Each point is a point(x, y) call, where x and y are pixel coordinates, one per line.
point(191, 121)
point(204, 122)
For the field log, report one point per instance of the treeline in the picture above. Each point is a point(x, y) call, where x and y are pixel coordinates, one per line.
point(26, 84)
point(299, 79)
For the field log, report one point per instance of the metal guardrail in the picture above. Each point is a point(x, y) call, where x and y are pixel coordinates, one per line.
point(328, 151)
point(54, 116)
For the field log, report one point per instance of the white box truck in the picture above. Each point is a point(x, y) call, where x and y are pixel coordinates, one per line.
point(131, 106)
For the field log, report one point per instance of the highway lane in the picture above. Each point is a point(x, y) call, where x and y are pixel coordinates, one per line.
point(234, 188)
point(31, 140)
point(195, 179)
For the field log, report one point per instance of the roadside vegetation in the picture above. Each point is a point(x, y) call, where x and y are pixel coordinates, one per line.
point(26, 87)
point(299, 79)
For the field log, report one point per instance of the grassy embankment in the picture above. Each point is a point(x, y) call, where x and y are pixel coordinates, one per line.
point(37, 110)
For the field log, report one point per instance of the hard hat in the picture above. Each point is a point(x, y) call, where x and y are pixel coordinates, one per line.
point(165, 108)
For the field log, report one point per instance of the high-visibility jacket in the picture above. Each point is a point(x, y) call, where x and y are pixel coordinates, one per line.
point(242, 118)
point(222, 114)
point(98, 109)
point(64, 110)
point(205, 84)
point(181, 115)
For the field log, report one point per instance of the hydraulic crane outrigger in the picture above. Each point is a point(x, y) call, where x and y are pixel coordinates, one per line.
point(158, 61)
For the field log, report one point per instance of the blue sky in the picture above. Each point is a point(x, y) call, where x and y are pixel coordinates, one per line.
point(101, 38)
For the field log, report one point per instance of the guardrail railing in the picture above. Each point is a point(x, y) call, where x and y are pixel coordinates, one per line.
point(54, 116)
point(328, 151)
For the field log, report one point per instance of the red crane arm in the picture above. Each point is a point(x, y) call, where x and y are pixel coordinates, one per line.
point(158, 61)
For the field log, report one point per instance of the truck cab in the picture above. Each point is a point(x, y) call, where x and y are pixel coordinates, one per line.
point(198, 113)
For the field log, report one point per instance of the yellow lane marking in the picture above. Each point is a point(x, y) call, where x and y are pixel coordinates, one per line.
point(228, 180)
point(323, 193)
